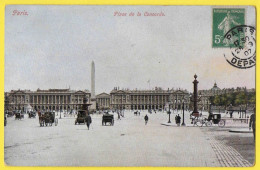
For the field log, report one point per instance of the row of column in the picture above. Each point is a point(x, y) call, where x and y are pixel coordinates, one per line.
point(145, 107)
point(19, 99)
point(54, 99)
point(56, 107)
point(149, 99)
point(104, 102)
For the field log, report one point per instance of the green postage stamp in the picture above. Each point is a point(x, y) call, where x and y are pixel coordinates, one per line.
point(225, 19)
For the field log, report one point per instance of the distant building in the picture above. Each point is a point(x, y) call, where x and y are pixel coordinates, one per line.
point(149, 99)
point(158, 98)
point(52, 99)
point(103, 101)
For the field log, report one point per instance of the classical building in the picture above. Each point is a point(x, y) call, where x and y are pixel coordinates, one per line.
point(103, 101)
point(52, 99)
point(149, 99)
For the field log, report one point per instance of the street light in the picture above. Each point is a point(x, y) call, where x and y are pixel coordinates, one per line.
point(240, 110)
point(183, 124)
point(169, 112)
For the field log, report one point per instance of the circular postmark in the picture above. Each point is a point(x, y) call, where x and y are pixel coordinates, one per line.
point(241, 41)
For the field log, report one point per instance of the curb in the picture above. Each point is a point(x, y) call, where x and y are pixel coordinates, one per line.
point(240, 131)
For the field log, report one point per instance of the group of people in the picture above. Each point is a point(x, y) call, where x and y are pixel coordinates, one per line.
point(151, 111)
point(178, 120)
point(120, 114)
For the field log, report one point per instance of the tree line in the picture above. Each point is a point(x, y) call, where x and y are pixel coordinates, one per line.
point(234, 99)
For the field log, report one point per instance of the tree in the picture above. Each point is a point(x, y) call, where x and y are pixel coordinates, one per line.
point(240, 98)
point(217, 100)
point(252, 99)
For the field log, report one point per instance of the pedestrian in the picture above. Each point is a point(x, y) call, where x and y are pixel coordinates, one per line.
point(146, 119)
point(178, 120)
point(252, 123)
point(118, 116)
point(88, 120)
point(231, 114)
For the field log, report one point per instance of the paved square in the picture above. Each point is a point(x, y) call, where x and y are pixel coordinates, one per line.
point(128, 143)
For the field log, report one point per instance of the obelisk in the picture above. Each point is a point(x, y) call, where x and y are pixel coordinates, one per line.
point(93, 80)
point(93, 96)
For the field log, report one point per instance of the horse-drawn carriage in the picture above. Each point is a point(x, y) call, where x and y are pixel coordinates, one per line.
point(215, 119)
point(32, 114)
point(210, 120)
point(19, 115)
point(9, 113)
point(81, 117)
point(107, 118)
point(137, 113)
point(47, 119)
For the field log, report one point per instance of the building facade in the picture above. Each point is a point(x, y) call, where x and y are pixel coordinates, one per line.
point(103, 101)
point(149, 99)
point(52, 99)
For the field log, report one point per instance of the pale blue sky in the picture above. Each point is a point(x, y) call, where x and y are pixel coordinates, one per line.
point(53, 47)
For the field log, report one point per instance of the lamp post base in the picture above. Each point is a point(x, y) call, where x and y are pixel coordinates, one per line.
point(183, 124)
point(169, 122)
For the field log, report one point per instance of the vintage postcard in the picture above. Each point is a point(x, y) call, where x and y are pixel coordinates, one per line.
point(129, 86)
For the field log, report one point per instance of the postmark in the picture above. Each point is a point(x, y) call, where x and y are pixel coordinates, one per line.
point(223, 20)
point(241, 41)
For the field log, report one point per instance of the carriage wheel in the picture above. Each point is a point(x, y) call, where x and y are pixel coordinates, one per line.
point(209, 123)
point(56, 122)
point(197, 123)
point(201, 123)
point(221, 123)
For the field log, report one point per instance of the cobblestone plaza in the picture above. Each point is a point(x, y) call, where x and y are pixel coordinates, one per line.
point(128, 143)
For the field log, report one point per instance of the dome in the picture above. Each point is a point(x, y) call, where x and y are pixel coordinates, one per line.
point(215, 87)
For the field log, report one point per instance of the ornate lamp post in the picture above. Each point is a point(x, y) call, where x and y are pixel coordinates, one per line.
point(183, 124)
point(60, 113)
point(246, 101)
point(240, 110)
point(169, 112)
point(195, 95)
point(208, 104)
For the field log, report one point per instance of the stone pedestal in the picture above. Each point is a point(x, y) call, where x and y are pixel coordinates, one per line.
point(93, 103)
